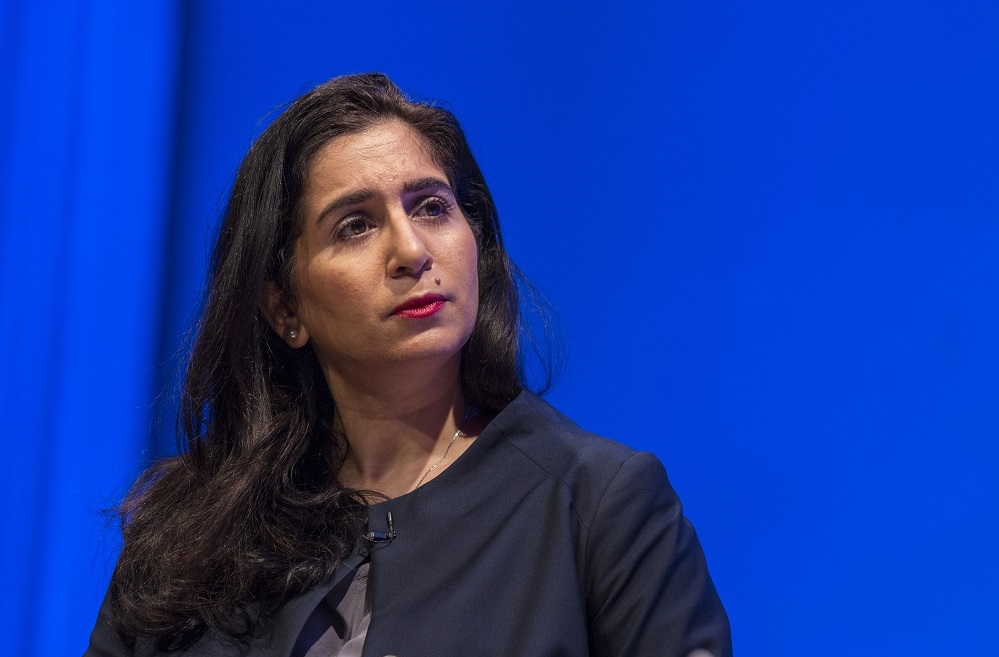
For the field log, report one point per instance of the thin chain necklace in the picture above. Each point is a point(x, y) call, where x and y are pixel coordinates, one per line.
point(441, 459)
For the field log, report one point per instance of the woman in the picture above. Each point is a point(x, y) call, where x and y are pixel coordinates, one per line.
point(365, 470)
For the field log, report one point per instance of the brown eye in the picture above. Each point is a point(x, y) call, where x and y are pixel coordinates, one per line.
point(356, 227)
point(352, 227)
point(434, 208)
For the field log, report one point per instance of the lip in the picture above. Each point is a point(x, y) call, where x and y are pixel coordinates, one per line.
point(422, 306)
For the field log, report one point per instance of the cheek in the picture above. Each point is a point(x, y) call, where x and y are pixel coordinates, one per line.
point(469, 248)
point(323, 296)
point(471, 276)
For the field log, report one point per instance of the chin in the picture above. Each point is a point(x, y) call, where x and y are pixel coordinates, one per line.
point(428, 348)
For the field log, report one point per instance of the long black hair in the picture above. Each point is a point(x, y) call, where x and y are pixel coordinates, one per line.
point(251, 513)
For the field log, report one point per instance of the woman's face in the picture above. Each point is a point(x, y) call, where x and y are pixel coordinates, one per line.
point(386, 266)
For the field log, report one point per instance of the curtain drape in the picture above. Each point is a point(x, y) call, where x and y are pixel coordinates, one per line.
point(87, 127)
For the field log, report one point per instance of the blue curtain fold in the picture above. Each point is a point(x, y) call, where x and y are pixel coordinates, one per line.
point(87, 126)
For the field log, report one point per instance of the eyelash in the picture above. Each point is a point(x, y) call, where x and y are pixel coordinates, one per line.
point(440, 200)
point(341, 233)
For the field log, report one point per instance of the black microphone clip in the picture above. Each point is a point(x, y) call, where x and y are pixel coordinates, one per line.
point(382, 537)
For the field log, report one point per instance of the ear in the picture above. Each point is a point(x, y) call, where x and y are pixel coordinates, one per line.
point(276, 307)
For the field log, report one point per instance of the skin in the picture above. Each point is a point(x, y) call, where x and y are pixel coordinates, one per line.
point(380, 225)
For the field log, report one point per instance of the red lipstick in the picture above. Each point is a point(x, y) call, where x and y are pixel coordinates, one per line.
point(424, 306)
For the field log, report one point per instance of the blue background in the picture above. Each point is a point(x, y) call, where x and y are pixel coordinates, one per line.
point(770, 230)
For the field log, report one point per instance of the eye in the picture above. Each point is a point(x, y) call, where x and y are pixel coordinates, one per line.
point(433, 207)
point(351, 227)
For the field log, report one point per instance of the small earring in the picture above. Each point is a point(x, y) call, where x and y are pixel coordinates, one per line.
point(437, 280)
point(292, 334)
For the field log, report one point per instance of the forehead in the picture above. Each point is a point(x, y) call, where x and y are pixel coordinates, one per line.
point(390, 151)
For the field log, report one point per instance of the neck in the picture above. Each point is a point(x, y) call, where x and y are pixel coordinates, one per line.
point(397, 425)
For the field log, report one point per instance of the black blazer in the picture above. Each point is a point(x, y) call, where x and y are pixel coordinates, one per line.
point(540, 540)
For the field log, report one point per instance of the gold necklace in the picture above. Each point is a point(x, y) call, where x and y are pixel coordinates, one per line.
point(441, 459)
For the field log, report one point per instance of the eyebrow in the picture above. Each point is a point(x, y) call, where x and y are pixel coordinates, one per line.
point(424, 184)
point(362, 195)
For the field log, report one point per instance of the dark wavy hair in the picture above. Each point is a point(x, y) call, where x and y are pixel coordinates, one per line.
point(251, 513)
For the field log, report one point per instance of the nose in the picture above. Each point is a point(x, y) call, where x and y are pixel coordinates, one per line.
point(408, 252)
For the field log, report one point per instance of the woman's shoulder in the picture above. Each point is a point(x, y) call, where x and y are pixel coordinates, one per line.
point(586, 462)
point(534, 425)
